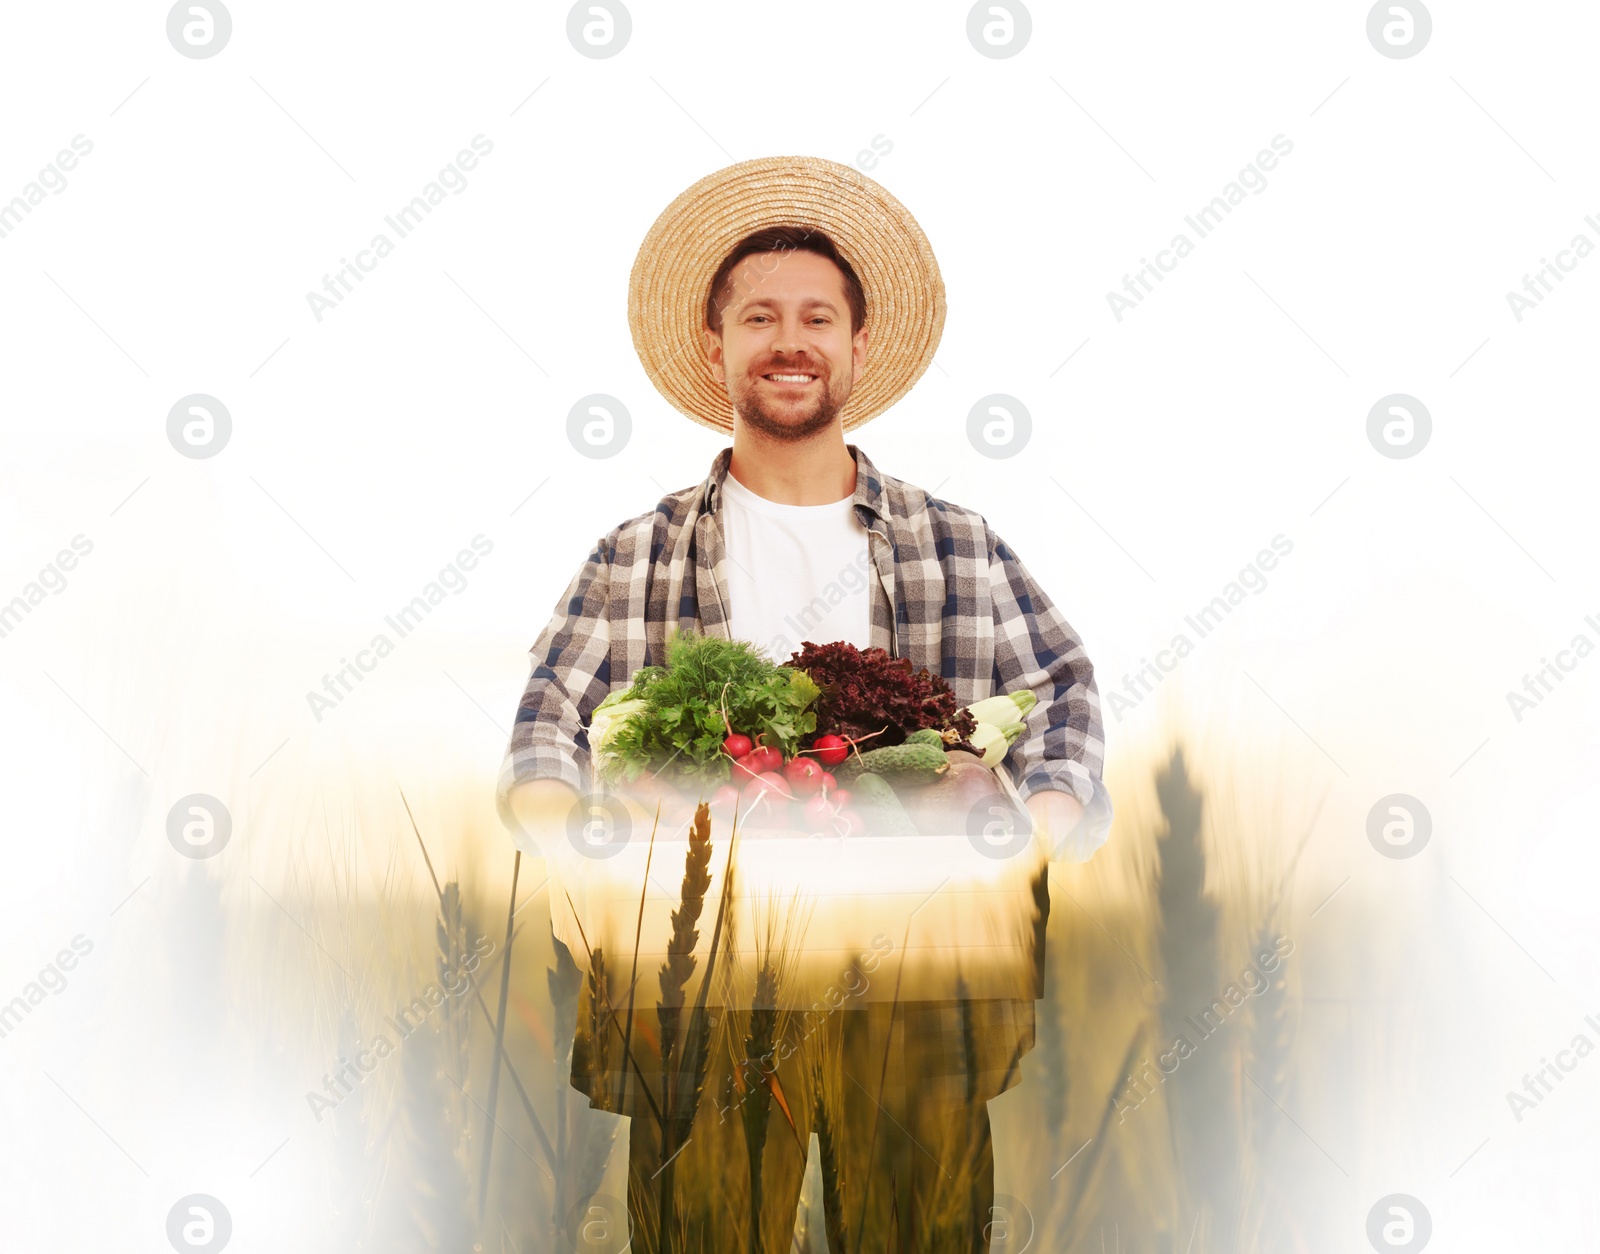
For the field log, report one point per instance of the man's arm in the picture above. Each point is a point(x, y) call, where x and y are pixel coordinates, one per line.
point(546, 765)
point(1056, 816)
point(540, 809)
point(1057, 764)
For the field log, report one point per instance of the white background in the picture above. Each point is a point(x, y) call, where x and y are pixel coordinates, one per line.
point(1231, 406)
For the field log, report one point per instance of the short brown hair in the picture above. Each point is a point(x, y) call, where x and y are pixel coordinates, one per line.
point(784, 239)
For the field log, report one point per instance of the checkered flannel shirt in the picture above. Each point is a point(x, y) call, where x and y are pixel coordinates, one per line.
point(949, 594)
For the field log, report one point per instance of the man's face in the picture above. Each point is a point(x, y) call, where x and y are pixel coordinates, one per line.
point(786, 352)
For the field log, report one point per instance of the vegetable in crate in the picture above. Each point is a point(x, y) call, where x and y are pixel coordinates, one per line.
point(678, 715)
point(1000, 723)
point(947, 805)
point(868, 693)
point(904, 764)
point(880, 807)
point(993, 742)
point(608, 718)
point(1005, 709)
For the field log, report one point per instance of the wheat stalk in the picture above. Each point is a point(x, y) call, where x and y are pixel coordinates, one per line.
point(499, 1042)
point(680, 961)
point(433, 1199)
point(756, 1107)
point(453, 940)
point(587, 1148)
point(1202, 1098)
point(695, 1056)
point(1270, 1044)
point(1055, 1077)
point(1272, 1032)
point(1040, 886)
point(613, 1017)
point(598, 994)
point(823, 1120)
point(633, 979)
point(595, 1139)
point(565, 982)
point(883, 1071)
point(973, 1148)
point(516, 1080)
point(1098, 1142)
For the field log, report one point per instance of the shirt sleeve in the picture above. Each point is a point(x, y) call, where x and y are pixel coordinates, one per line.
point(1063, 747)
point(570, 674)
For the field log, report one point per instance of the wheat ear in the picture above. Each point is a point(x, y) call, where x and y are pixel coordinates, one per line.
point(680, 961)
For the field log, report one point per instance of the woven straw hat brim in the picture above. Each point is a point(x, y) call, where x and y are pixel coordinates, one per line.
point(874, 232)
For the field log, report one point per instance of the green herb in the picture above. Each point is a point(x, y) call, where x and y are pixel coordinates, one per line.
point(708, 688)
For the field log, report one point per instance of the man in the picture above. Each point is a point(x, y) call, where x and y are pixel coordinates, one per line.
point(815, 302)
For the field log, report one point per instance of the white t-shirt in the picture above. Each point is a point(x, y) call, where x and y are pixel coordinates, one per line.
point(795, 572)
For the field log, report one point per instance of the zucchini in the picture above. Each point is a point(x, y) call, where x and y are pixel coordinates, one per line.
point(1005, 708)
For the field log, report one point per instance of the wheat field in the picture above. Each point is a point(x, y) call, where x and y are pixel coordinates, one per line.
point(425, 1026)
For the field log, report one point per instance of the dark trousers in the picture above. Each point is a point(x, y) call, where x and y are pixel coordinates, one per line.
point(897, 1098)
point(901, 1175)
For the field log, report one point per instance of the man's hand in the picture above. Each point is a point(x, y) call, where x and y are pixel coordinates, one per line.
point(541, 808)
point(1055, 814)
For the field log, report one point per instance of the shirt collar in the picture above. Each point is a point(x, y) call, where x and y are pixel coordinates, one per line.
point(868, 494)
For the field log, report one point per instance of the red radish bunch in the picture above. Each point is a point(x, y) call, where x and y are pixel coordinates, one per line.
point(760, 773)
point(757, 774)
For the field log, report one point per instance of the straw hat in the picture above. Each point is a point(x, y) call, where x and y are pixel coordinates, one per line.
point(874, 232)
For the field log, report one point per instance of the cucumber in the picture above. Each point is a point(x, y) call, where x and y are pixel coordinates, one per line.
point(903, 764)
point(873, 789)
point(927, 736)
point(881, 808)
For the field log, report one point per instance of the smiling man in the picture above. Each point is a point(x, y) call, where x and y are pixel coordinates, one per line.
point(816, 302)
point(785, 334)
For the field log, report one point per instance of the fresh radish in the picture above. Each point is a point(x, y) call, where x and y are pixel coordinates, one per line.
point(804, 775)
point(768, 782)
point(818, 810)
point(737, 745)
point(744, 770)
point(764, 758)
point(828, 782)
point(840, 797)
point(725, 800)
point(831, 749)
point(851, 823)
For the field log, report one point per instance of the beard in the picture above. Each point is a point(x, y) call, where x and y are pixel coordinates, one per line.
point(785, 420)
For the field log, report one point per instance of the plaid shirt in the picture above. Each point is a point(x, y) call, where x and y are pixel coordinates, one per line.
point(949, 594)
